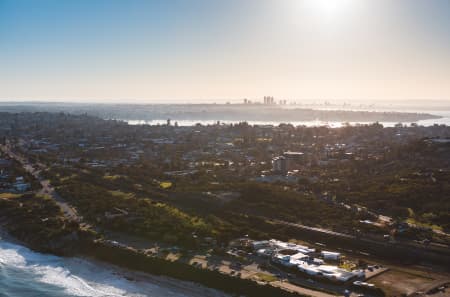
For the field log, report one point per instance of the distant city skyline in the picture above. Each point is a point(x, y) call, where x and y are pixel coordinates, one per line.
point(145, 51)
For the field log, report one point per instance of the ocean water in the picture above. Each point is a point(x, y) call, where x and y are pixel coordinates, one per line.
point(24, 273)
point(444, 120)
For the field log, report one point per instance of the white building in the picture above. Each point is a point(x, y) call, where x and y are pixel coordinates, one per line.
point(257, 245)
point(330, 272)
point(281, 245)
point(330, 255)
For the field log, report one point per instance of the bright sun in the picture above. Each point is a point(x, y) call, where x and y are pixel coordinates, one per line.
point(330, 8)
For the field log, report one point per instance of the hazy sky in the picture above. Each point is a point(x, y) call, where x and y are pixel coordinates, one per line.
point(144, 50)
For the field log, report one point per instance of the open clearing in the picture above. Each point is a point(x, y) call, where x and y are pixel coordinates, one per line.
point(395, 282)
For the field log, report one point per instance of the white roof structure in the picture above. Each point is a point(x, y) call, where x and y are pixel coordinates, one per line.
point(301, 259)
point(330, 272)
point(281, 245)
point(298, 258)
point(330, 255)
point(264, 252)
point(260, 243)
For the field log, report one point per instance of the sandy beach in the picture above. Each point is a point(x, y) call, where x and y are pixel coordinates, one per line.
point(126, 280)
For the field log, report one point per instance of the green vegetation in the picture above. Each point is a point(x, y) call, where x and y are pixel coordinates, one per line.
point(233, 285)
point(123, 211)
point(414, 187)
point(38, 221)
point(416, 198)
point(266, 277)
point(121, 194)
point(66, 178)
point(413, 222)
point(199, 187)
point(111, 177)
point(181, 214)
point(178, 184)
point(165, 185)
point(276, 202)
point(9, 195)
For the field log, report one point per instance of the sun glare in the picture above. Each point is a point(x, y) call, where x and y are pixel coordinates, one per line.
point(330, 8)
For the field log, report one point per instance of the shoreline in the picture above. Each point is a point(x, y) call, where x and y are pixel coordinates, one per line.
point(230, 112)
point(179, 277)
point(190, 289)
point(308, 124)
point(5, 236)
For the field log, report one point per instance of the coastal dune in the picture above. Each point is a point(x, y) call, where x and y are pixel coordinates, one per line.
point(27, 273)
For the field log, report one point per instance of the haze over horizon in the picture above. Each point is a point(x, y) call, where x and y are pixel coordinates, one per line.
point(172, 51)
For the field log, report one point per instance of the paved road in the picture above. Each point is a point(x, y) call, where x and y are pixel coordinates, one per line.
point(69, 211)
point(321, 230)
point(47, 189)
point(303, 291)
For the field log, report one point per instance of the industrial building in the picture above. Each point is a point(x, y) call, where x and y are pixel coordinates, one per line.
point(305, 260)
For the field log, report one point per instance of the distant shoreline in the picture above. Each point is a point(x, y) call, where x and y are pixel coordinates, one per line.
point(331, 124)
point(222, 112)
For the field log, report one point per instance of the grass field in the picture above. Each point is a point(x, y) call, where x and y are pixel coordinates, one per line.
point(265, 277)
point(165, 185)
point(121, 194)
point(9, 195)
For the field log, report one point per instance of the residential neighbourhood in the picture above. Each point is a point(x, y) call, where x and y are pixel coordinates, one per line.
point(216, 197)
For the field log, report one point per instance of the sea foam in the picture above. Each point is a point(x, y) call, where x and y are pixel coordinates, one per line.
point(24, 273)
